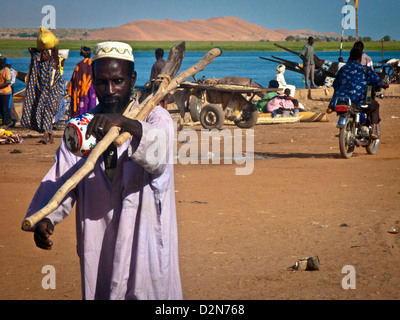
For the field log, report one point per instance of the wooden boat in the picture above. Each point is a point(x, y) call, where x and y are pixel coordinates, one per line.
point(305, 116)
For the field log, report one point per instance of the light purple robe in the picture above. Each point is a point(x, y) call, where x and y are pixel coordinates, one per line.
point(126, 229)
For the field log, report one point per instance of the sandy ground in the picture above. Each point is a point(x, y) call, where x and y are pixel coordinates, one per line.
point(239, 234)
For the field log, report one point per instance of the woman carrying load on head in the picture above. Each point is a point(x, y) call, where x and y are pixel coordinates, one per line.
point(44, 87)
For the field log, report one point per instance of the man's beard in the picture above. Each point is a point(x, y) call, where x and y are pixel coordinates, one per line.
point(114, 107)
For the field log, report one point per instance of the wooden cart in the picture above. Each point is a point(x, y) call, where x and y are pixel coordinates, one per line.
point(213, 103)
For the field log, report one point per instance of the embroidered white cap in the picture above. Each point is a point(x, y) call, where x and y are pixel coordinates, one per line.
point(113, 49)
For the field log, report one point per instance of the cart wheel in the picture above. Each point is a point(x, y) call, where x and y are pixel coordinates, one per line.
point(249, 117)
point(194, 108)
point(212, 117)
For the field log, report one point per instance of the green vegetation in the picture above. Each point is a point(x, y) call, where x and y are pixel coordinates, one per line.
point(20, 47)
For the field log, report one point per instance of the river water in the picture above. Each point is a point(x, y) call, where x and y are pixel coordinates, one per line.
point(239, 64)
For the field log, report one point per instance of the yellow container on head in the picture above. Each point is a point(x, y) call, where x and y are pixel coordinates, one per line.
point(46, 39)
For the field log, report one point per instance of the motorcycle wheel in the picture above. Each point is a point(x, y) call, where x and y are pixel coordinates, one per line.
point(372, 148)
point(346, 144)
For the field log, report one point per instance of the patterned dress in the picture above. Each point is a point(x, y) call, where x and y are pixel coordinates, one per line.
point(81, 88)
point(43, 95)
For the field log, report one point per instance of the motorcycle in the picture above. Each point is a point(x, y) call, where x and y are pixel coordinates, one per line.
point(355, 128)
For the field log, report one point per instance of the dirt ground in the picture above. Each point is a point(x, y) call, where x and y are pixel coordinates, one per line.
point(240, 234)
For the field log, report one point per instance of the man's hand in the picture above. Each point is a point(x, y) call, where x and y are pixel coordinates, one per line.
point(102, 123)
point(44, 229)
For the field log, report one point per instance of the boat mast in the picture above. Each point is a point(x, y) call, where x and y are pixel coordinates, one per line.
point(356, 6)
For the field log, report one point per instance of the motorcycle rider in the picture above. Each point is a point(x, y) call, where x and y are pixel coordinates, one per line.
point(352, 80)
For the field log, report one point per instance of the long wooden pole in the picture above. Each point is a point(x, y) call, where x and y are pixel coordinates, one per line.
point(141, 112)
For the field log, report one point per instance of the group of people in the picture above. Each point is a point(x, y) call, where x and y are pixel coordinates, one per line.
point(44, 104)
point(126, 220)
point(351, 80)
point(285, 104)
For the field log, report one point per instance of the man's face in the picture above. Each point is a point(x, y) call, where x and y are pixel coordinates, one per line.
point(112, 84)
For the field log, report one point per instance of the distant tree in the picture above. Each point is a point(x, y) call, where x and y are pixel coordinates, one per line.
point(386, 38)
point(365, 39)
point(290, 38)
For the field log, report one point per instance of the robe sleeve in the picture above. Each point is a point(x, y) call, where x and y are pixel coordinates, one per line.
point(153, 151)
point(63, 168)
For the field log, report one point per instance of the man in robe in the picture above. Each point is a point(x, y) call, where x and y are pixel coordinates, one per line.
point(81, 88)
point(125, 208)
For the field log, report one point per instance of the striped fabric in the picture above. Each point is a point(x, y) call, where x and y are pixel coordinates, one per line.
point(42, 99)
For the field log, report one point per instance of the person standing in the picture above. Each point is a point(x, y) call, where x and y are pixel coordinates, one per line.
point(307, 55)
point(158, 65)
point(5, 92)
point(44, 91)
point(126, 224)
point(156, 69)
point(61, 108)
point(81, 88)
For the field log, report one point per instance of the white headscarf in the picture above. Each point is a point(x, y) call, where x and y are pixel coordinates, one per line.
point(281, 68)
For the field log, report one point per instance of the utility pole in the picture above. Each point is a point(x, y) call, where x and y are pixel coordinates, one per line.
point(356, 6)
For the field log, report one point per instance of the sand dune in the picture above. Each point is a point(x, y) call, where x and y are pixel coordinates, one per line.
point(213, 29)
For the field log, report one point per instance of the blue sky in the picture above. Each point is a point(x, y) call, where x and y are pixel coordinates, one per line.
point(376, 18)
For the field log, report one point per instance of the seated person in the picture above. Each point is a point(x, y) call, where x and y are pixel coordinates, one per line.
point(298, 107)
point(281, 104)
point(262, 103)
point(280, 70)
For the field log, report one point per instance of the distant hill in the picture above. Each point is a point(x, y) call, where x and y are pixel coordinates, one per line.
point(213, 29)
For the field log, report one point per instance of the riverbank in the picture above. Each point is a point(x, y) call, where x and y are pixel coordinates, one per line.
point(75, 45)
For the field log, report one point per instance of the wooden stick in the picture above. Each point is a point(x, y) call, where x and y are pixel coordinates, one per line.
point(163, 90)
point(141, 112)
